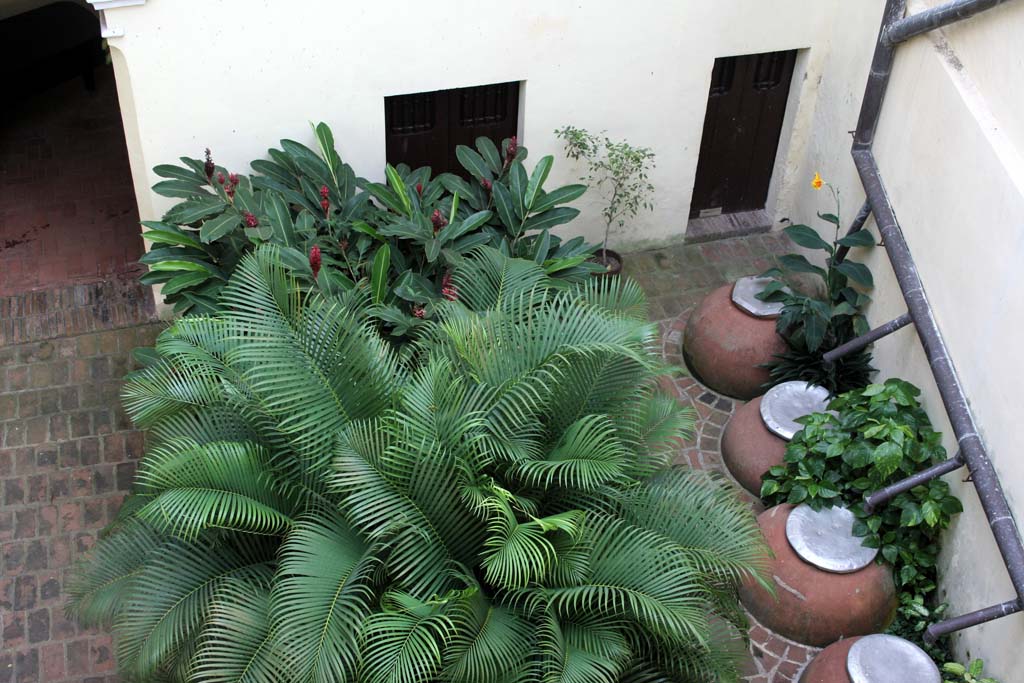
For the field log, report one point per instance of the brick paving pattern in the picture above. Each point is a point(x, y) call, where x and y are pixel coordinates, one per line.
point(676, 279)
point(67, 454)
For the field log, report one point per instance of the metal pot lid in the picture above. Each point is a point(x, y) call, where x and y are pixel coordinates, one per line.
point(785, 402)
point(882, 658)
point(825, 539)
point(744, 295)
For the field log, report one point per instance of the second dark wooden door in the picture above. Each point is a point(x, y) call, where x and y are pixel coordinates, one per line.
point(423, 129)
point(746, 105)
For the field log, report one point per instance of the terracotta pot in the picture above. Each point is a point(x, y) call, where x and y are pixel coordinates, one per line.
point(609, 258)
point(813, 606)
point(724, 345)
point(829, 666)
point(749, 449)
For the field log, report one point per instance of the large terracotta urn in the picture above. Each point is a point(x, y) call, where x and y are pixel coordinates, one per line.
point(815, 606)
point(876, 658)
point(756, 436)
point(725, 344)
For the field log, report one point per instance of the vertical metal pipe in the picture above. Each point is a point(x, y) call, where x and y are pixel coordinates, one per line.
point(878, 78)
point(986, 481)
point(858, 222)
point(935, 17)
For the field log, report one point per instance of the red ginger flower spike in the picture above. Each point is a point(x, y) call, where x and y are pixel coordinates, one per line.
point(448, 290)
point(314, 260)
point(326, 206)
point(208, 166)
point(233, 178)
point(438, 220)
point(419, 311)
point(486, 184)
point(512, 149)
point(324, 192)
point(419, 189)
point(250, 220)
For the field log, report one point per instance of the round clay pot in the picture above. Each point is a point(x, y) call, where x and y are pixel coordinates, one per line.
point(724, 345)
point(813, 606)
point(749, 449)
point(829, 666)
point(612, 260)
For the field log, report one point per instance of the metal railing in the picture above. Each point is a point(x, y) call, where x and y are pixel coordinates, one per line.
point(897, 28)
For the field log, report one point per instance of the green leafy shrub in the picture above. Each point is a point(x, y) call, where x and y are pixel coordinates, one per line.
point(879, 435)
point(385, 238)
point(972, 673)
point(617, 170)
point(495, 506)
point(816, 322)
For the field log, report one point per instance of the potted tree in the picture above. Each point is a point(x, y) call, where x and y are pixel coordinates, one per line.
point(619, 171)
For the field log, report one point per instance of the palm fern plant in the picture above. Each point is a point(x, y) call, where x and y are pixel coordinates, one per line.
point(495, 506)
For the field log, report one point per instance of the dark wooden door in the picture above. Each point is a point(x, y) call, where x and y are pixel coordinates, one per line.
point(746, 106)
point(423, 129)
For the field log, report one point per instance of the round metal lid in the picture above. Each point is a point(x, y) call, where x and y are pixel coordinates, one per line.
point(744, 295)
point(882, 658)
point(825, 539)
point(785, 402)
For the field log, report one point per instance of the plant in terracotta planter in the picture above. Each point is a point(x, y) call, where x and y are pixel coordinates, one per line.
point(830, 315)
point(619, 171)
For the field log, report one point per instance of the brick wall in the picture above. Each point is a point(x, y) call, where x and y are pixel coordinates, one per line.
point(67, 454)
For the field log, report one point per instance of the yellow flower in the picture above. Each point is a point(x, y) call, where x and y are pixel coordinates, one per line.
point(817, 182)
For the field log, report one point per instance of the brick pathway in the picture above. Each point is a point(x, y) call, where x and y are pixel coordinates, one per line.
point(676, 279)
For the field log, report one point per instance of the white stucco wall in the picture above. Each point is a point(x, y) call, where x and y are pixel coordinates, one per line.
point(949, 145)
point(237, 75)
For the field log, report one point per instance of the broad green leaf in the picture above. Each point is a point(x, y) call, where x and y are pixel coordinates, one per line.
point(562, 195)
point(192, 265)
point(195, 210)
point(537, 178)
point(179, 173)
point(473, 162)
point(807, 237)
point(551, 218)
point(379, 273)
point(399, 188)
point(799, 264)
point(173, 238)
point(184, 281)
point(830, 217)
point(179, 188)
point(365, 228)
point(887, 458)
point(860, 238)
point(457, 229)
point(504, 204)
point(517, 185)
point(280, 217)
point(215, 228)
point(857, 272)
point(490, 154)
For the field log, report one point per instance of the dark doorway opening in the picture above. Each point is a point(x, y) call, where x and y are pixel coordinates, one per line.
point(68, 213)
point(746, 106)
point(423, 129)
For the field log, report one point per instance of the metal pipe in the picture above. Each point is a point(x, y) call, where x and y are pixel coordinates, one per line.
point(878, 78)
point(858, 222)
point(986, 481)
point(942, 628)
point(883, 496)
point(866, 339)
point(935, 17)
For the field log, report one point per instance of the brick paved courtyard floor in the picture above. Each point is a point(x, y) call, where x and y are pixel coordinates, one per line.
point(68, 452)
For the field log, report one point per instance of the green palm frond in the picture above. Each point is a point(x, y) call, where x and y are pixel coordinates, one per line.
point(491, 504)
point(223, 485)
point(587, 455)
point(404, 642)
point(170, 598)
point(323, 591)
point(98, 587)
point(700, 515)
point(488, 642)
point(237, 645)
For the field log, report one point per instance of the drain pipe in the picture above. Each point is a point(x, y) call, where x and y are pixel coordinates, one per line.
point(972, 451)
point(936, 17)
